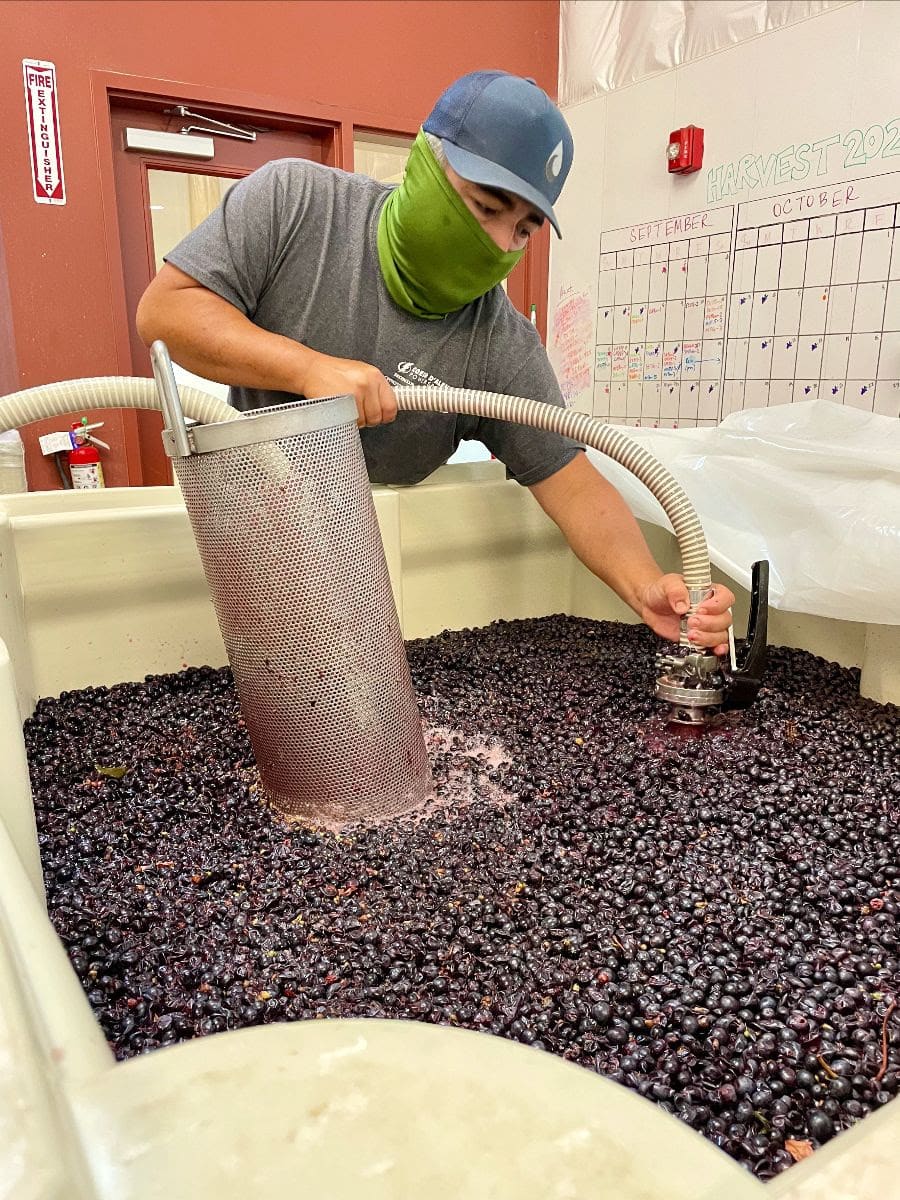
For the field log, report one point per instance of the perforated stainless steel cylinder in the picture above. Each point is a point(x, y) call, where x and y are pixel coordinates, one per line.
point(282, 512)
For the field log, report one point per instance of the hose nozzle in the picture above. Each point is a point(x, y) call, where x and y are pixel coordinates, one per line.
point(692, 685)
point(696, 686)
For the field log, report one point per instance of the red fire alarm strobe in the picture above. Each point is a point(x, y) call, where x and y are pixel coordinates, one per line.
point(685, 152)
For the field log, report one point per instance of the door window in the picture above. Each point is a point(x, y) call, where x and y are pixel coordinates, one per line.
point(380, 155)
point(178, 203)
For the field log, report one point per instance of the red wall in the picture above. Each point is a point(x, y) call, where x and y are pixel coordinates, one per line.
point(370, 62)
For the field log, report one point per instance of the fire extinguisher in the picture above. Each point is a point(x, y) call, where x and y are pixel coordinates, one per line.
point(84, 459)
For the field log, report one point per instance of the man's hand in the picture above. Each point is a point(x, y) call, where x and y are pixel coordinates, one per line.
point(376, 403)
point(663, 603)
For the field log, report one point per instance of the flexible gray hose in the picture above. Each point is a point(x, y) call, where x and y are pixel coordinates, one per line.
point(106, 391)
point(583, 428)
point(127, 392)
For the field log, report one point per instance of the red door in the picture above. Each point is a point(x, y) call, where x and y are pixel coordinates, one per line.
point(136, 455)
point(141, 178)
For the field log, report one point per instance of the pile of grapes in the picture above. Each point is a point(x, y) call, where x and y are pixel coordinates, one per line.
point(712, 923)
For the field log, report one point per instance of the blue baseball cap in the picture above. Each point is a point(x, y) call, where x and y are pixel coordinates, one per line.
point(502, 131)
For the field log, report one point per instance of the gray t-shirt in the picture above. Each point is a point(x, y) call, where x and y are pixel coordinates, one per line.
point(293, 247)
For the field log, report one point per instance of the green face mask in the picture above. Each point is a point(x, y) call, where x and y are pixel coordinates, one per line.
point(434, 255)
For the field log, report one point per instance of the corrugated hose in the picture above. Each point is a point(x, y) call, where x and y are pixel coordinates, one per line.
point(55, 399)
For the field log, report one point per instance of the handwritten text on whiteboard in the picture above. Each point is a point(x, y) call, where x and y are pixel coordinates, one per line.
point(669, 229)
point(796, 162)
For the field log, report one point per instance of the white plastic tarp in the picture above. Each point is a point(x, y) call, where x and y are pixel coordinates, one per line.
point(814, 487)
point(608, 44)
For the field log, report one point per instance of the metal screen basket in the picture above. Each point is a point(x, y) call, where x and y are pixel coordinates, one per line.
point(282, 512)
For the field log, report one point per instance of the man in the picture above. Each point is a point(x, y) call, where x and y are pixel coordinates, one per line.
point(310, 281)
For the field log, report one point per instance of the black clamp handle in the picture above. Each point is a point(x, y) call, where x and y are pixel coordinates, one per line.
point(742, 684)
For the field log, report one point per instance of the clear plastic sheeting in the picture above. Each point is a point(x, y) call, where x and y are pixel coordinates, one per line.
point(12, 463)
point(814, 487)
point(608, 44)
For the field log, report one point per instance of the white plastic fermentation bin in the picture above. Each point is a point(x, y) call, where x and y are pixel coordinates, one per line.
point(97, 588)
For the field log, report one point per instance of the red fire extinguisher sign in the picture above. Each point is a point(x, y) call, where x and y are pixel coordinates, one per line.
point(43, 131)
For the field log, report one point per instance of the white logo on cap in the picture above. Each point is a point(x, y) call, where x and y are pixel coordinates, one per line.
point(554, 162)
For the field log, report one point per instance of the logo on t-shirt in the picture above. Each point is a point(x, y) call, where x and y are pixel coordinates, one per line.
point(408, 374)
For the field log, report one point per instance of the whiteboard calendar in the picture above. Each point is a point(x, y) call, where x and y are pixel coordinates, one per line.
point(792, 297)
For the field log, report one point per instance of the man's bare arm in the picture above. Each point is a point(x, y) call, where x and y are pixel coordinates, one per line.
point(601, 530)
point(207, 335)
